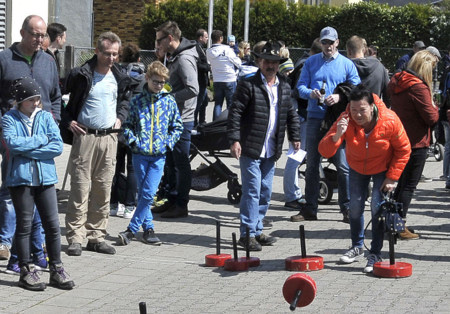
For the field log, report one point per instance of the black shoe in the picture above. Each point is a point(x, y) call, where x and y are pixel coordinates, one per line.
point(265, 240)
point(253, 245)
point(302, 217)
point(293, 205)
point(345, 218)
point(59, 278)
point(176, 212)
point(150, 237)
point(163, 208)
point(30, 280)
point(125, 237)
point(74, 249)
point(100, 247)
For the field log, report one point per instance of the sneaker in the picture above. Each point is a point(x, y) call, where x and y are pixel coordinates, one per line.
point(150, 237)
point(41, 263)
point(265, 240)
point(30, 280)
point(4, 252)
point(371, 260)
point(129, 212)
point(161, 208)
point(408, 235)
point(295, 204)
point(59, 278)
point(425, 179)
point(253, 245)
point(352, 255)
point(74, 249)
point(302, 217)
point(125, 237)
point(100, 247)
point(159, 202)
point(13, 269)
point(113, 209)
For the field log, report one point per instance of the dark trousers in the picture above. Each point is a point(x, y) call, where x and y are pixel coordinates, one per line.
point(24, 198)
point(124, 155)
point(410, 178)
point(179, 168)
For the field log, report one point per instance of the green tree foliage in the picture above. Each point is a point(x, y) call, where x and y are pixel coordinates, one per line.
point(298, 24)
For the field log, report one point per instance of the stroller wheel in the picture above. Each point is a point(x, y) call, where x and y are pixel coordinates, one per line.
point(438, 151)
point(325, 191)
point(234, 197)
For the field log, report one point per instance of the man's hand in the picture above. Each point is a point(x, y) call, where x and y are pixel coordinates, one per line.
point(296, 146)
point(235, 150)
point(118, 124)
point(77, 128)
point(315, 94)
point(388, 185)
point(332, 99)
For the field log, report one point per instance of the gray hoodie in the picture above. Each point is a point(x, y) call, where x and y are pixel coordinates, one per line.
point(182, 65)
point(374, 75)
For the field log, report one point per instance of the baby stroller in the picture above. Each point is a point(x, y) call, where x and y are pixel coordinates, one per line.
point(212, 138)
point(328, 181)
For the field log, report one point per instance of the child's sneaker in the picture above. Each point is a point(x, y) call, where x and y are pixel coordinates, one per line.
point(129, 212)
point(59, 278)
point(13, 269)
point(371, 260)
point(125, 237)
point(29, 279)
point(150, 237)
point(41, 263)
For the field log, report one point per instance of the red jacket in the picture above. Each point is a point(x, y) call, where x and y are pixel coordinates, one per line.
point(411, 100)
point(385, 148)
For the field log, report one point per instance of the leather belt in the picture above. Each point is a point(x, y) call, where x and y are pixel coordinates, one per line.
point(103, 131)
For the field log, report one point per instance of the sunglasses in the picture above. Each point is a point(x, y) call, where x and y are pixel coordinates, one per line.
point(327, 42)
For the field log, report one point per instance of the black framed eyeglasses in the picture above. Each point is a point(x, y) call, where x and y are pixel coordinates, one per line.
point(158, 83)
point(159, 40)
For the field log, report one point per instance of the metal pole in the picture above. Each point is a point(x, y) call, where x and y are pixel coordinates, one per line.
point(210, 21)
point(246, 19)
point(230, 18)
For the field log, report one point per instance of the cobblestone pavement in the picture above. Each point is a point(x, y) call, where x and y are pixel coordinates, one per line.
point(172, 278)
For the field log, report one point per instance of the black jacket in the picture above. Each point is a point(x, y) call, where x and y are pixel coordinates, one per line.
point(79, 83)
point(203, 67)
point(248, 116)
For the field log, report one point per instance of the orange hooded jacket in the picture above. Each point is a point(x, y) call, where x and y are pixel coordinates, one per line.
point(386, 148)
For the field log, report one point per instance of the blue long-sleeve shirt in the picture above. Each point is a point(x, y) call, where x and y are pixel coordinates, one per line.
point(317, 69)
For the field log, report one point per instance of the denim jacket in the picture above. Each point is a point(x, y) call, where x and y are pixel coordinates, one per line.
point(27, 151)
point(154, 123)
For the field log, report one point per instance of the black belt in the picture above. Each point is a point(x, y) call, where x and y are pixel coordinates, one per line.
point(103, 131)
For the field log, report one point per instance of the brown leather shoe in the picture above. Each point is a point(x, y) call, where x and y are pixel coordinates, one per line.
point(408, 235)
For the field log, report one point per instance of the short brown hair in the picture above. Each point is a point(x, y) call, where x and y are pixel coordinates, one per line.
point(112, 37)
point(156, 67)
point(356, 44)
point(170, 28)
point(131, 53)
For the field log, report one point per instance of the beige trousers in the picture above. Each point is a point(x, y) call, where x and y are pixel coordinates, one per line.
point(93, 161)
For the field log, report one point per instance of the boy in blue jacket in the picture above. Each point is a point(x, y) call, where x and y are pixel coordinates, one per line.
point(153, 126)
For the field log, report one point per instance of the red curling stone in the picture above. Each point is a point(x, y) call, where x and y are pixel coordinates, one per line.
point(252, 261)
point(303, 283)
point(388, 270)
point(214, 260)
point(307, 263)
point(239, 264)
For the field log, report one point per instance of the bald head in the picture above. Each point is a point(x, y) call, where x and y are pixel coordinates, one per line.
point(33, 33)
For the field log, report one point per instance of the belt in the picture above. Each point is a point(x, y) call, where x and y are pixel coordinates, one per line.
point(103, 131)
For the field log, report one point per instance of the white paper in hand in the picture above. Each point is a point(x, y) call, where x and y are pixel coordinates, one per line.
point(298, 155)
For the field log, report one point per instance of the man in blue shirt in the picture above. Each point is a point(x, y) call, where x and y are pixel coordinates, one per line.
point(325, 70)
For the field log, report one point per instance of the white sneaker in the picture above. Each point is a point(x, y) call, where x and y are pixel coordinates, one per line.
point(371, 260)
point(129, 212)
point(352, 255)
point(120, 210)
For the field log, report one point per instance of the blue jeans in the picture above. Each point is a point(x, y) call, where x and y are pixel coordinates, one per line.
point(148, 170)
point(179, 168)
point(446, 163)
point(7, 217)
point(222, 90)
point(410, 177)
point(312, 176)
point(200, 109)
point(358, 196)
point(292, 191)
point(257, 178)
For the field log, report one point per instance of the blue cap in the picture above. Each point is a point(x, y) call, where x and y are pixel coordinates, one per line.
point(328, 33)
point(231, 38)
